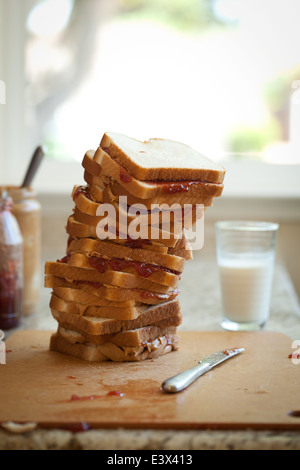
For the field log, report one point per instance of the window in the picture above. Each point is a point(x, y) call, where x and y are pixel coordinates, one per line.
point(220, 75)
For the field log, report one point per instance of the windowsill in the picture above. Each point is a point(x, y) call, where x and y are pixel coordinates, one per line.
point(274, 191)
point(260, 179)
point(242, 178)
point(227, 207)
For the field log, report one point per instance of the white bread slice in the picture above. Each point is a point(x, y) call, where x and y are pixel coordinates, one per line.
point(83, 297)
point(167, 234)
point(100, 180)
point(184, 192)
point(96, 190)
point(77, 229)
point(159, 198)
point(162, 216)
point(110, 250)
point(76, 308)
point(164, 314)
point(110, 352)
point(83, 199)
point(129, 338)
point(113, 293)
point(167, 220)
point(109, 170)
point(110, 277)
point(93, 167)
point(152, 272)
point(80, 225)
point(160, 159)
point(183, 249)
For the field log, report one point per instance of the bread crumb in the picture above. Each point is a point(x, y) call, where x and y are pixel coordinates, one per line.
point(18, 428)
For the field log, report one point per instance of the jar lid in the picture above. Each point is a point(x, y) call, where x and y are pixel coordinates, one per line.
point(17, 193)
point(6, 202)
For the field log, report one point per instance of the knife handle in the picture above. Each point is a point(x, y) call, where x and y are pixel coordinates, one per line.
point(184, 379)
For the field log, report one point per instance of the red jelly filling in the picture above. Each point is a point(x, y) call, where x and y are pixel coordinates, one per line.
point(227, 352)
point(294, 356)
point(125, 177)
point(65, 259)
point(115, 393)
point(76, 427)
point(89, 397)
point(171, 187)
point(143, 269)
point(10, 300)
point(82, 190)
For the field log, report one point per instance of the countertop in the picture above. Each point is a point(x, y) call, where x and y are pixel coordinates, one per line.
point(201, 307)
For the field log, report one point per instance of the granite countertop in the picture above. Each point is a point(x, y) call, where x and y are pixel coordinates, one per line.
point(201, 306)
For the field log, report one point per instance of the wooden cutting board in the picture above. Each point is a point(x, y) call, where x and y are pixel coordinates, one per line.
point(256, 389)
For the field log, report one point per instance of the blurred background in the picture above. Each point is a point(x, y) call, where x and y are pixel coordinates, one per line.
point(220, 75)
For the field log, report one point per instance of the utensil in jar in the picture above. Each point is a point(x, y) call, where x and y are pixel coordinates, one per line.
point(33, 166)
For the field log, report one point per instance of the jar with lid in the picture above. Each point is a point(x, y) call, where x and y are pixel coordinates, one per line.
point(27, 210)
point(11, 266)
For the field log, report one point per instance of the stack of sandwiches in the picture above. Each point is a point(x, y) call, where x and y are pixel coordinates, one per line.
point(115, 292)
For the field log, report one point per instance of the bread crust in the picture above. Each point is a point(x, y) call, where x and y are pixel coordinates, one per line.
point(152, 272)
point(114, 293)
point(105, 248)
point(105, 169)
point(110, 277)
point(139, 159)
point(111, 352)
point(166, 314)
point(128, 338)
point(96, 310)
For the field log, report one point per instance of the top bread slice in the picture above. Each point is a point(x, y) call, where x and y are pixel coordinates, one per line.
point(101, 169)
point(160, 159)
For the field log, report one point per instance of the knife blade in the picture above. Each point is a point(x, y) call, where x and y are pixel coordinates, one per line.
point(180, 381)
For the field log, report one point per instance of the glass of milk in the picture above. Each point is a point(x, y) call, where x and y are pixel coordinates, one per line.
point(245, 255)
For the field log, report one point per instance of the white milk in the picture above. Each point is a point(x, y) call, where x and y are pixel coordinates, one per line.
point(246, 288)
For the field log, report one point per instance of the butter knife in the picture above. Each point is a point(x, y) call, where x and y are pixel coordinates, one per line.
point(180, 381)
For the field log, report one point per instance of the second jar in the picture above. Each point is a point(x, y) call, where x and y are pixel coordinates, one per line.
point(27, 211)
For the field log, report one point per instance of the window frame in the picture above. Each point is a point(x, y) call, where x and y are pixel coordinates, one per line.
point(264, 180)
point(14, 136)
